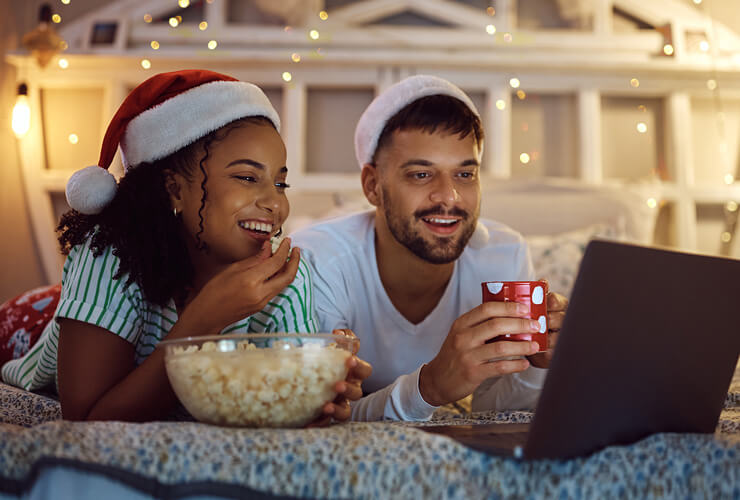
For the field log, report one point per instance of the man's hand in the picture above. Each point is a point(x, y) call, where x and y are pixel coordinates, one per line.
point(556, 307)
point(465, 359)
point(349, 389)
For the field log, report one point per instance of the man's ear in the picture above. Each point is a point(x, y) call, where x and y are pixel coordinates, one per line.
point(370, 184)
point(174, 183)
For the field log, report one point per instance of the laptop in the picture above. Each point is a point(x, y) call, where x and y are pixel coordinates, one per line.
point(649, 344)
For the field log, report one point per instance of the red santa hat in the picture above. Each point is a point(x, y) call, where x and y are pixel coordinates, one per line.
point(394, 99)
point(159, 117)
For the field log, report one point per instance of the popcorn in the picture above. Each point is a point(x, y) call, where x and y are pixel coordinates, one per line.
point(245, 385)
point(275, 242)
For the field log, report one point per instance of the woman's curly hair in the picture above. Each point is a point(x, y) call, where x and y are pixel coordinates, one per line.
point(140, 226)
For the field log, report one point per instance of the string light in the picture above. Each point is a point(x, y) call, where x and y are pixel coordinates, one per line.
point(731, 206)
point(697, 2)
point(652, 202)
point(729, 179)
point(491, 29)
point(514, 82)
point(642, 108)
point(146, 63)
point(287, 76)
point(501, 104)
point(726, 237)
point(64, 45)
point(56, 18)
point(314, 34)
point(154, 44)
point(642, 127)
point(183, 3)
point(323, 15)
point(65, 2)
point(147, 18)
point(73, 139)
point(711, 84)
point(295, 57)
point(704, 46)
point(521, 94)
point(203, 26)
point(635, 82)
point(212, 44)
point(524, 158)
point(491, 11)
point(508, 38)
point(63, 63)
point(668, 49)
point(21, 119)
point(174, 22)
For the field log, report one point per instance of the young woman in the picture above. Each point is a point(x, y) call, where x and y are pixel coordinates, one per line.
point(179, 247)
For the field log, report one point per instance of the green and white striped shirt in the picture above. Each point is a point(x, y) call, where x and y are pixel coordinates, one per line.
point(90, 294)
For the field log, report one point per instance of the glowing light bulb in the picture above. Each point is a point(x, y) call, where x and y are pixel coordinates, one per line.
point(183, 3)
point(524, 158)
point(635, 82)
point(652, 202)
point(514, 82)
point(21, 120)
point(203, 26)
point(56, 18)
point(295, 57)
point(314, 34)
point(65, 2)
point(491, 29)
point(323, 15)
point(174, 22)
point(642, 127)
point(63, 63)
point(668, 49)
point(155, 44)
point(212, 44)
point(501, 104)
point(287, 76)
point(146, 63)
point(73, 139)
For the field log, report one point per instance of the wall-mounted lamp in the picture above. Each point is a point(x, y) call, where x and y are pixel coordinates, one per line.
point(21, 112)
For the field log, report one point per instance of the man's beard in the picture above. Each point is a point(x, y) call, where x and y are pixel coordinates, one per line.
point(440, 250)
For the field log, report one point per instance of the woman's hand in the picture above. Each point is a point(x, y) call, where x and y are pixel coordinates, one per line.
point(242, 289)
point(349, 389)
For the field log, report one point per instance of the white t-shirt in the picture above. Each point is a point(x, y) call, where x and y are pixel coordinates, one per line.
point(348, 293)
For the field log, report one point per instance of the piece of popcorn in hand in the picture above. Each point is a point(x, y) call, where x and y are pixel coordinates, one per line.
point(276, 240)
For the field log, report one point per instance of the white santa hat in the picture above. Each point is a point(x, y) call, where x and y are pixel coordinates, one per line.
point(159, 117)
point(387, 104)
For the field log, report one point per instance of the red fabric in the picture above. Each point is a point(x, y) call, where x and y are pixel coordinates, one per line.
point(23, 319)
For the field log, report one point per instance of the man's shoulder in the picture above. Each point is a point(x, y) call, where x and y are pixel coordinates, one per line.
point(336, 237)
point(501, 234)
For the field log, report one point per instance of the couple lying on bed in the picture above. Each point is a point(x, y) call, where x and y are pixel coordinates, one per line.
point(182, 244)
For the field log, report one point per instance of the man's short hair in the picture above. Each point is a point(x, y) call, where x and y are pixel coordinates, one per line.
point(432, 113)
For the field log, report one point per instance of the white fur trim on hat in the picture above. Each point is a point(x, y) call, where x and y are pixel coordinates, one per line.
point(480, 236)
point(89, 190)
point(394, 99)
point(186, 117)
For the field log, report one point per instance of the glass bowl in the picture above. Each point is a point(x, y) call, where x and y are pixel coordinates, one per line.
point(257, 380)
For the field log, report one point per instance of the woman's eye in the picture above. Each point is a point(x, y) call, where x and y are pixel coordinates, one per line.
point(246, 178)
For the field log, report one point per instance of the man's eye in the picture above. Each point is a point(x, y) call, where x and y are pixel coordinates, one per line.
point(420, 175)
point(467, 175)
point(282, 185)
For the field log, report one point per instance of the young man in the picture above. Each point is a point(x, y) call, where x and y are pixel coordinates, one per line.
point(406, 277)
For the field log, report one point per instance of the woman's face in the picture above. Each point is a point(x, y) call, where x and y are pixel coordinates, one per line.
point(245, 194)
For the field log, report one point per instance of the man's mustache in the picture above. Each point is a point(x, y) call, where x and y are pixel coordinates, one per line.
point(441, 211)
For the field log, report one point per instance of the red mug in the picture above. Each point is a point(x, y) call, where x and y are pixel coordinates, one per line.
point(531, 293)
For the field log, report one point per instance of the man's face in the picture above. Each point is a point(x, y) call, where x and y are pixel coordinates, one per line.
point(429, 192)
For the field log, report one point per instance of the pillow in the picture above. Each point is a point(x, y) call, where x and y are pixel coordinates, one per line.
point(556, 257)
point(23, 319)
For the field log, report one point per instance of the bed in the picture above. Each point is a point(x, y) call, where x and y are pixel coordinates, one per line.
point(42, 456)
